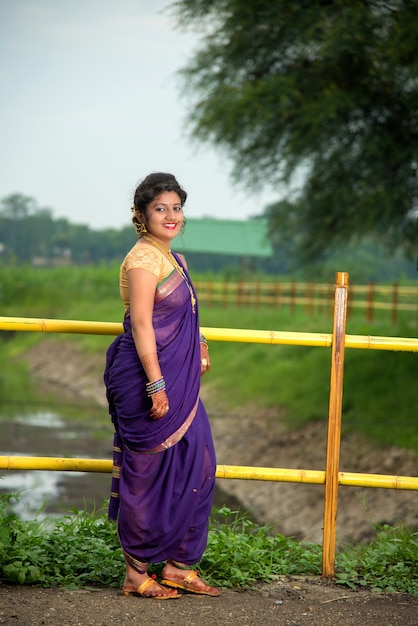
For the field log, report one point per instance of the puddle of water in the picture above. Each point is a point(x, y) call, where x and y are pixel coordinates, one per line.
point(41, 419)
point(52, 434)
point(34, 489)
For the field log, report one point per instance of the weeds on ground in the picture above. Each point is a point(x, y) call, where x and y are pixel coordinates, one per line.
point(82, 550)
point(241, 552)
point(73, 551)
point(388, 564)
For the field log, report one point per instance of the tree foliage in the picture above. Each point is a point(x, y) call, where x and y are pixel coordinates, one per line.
point(30, 234)
point(326, 88)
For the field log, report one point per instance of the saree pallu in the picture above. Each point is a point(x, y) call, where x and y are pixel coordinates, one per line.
point(164, 470)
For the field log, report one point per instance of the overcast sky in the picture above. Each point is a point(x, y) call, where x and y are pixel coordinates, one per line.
point(90, 103)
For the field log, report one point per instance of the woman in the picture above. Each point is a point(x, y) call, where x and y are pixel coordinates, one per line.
point(164, 459)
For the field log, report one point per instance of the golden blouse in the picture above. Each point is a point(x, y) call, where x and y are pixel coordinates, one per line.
point(143, 256)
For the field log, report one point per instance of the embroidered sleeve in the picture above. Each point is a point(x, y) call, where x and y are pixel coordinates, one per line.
point(141, 258)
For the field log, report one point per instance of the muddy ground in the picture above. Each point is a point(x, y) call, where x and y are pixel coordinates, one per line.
point(287, 602)
point(248, 437)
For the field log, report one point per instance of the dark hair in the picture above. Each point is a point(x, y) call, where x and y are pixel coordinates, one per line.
point(153, 186)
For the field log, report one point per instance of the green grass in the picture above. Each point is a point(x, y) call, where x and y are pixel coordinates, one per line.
point(82, 550)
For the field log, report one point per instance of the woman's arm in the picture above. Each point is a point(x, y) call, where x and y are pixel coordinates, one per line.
point(142, 285)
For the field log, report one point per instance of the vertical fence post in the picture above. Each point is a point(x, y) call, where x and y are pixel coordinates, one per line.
point(257, 294)
point(225, 293)
point(310, 299)
point(292, 296)
point(350, 303)
point(330, 299)
point(210, 298)
point(240, 292)
point(370, 302)
point(334, 425)
point(277, 294)
point(395, 299)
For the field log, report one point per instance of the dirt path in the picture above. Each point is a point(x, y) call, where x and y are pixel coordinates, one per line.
point(287, 602)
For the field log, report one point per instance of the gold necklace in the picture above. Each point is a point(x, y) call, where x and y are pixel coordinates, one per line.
point(170, 256)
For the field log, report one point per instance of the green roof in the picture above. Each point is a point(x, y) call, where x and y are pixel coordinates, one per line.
point(232, 237)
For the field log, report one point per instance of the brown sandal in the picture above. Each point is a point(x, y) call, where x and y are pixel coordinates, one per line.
point(142, 588)
point(187, 585)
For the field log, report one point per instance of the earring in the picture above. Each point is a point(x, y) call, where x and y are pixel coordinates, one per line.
point(140, 228)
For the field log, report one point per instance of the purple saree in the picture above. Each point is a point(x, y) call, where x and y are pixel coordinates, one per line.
point(163, 470)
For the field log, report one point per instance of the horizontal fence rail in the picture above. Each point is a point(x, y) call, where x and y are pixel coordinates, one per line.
point(313, 297)
point(239, 472)
point(273, 337)
point(338, 341)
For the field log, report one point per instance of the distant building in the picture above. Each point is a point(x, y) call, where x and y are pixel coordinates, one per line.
point(210, 243)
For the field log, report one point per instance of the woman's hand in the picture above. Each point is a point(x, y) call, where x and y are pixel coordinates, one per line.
point(160, 405)
point(204, 358)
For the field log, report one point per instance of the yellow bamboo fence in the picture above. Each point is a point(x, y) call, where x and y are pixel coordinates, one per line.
point(313, 297)
point(338, 340)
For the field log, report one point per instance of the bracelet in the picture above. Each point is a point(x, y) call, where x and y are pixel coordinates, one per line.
point(203, 340)
point(155, 386)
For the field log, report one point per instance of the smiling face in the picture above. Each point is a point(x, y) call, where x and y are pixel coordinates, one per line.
point(164, 217)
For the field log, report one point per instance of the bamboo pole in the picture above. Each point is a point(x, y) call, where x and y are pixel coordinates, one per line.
point(239, 472)
point(334, 426)
point(368, 342)
point(364, 342)
point(274, 337)
point(382, 481)
point(32, 324)
point(54, 464)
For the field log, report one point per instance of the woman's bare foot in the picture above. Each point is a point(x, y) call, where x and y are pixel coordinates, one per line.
point(179, 575)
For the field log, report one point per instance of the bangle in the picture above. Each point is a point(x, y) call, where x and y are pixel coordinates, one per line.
point(155, 386)
point(203, 340)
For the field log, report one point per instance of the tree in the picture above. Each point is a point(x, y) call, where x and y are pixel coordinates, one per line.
point(17, 213)
point(324, 92)
point(29, 233)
